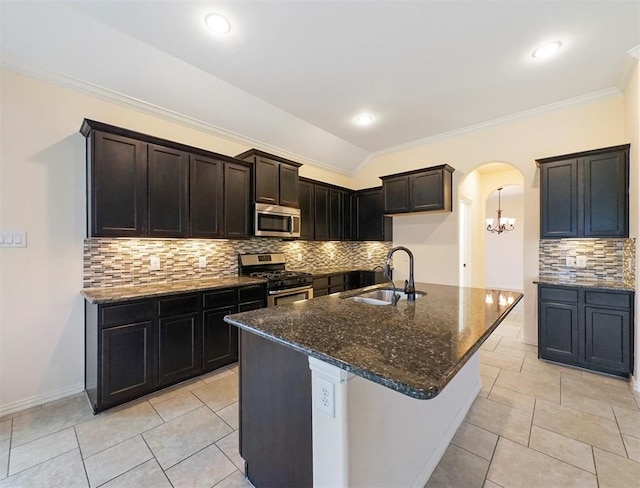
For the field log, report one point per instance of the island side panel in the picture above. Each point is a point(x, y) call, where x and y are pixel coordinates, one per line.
point(275, 413)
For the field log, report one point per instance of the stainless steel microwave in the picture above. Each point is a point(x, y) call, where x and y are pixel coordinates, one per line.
point(276, 221)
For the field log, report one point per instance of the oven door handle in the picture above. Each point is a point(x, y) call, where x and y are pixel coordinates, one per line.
point(288, 291)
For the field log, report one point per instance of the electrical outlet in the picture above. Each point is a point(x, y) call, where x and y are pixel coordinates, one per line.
point(369, 255)
point(332, 255)
point(202, 261)
point(13, 238)
point(581, 261)
point(154, 263)
point(325, 397)
point(570, 262)
point(299, 256)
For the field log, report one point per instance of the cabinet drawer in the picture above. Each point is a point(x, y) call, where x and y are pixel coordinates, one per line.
point(559, 295)
point(336, 280)
point(245, 307)
point(126, 314)
point(320, 282)
point(251, 293)
point(215, 299)
point(177, 305)
point(336, 289)
point(622, 300)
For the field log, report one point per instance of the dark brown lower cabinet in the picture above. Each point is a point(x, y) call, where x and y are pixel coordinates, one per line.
point(133, 348)
point(127, 362)
point(586, 327)
point(275, 414)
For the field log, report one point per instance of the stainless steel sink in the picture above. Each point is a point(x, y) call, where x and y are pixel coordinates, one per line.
point(382, 297)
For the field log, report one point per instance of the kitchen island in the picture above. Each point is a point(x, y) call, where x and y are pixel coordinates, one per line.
point(337, 392)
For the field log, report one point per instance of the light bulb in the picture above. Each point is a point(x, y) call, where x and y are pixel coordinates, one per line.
point(218, 24)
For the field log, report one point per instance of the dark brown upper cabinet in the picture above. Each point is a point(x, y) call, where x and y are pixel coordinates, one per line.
point(585, 194)
point(372, 225)
point(168, 187)
point(275, 178)
point(307, 210)
point(422, 190)
point(143, 186)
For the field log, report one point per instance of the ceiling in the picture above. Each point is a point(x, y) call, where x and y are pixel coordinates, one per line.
point(292, 75)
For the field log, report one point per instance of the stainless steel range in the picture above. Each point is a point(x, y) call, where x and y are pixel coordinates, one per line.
point(282, 286)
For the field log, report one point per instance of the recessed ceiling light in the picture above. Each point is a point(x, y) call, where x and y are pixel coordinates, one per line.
point(218, 24)
point(547, 50)
point(364, 119)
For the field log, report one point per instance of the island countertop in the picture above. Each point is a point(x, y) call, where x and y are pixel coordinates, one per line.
point(415, 348)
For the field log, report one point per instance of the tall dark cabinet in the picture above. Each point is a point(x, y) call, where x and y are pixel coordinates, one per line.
point(237, 201)
point(206, 194)
point(372, 225)
point(307, 210)
point(585, 194)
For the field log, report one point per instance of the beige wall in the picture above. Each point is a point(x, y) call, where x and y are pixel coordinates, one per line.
point(435, 237)
point(42, 191)
point(632, 134)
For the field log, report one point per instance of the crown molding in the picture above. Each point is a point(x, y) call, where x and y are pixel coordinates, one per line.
point(142, 106)
point(635, 52)
point(589, 97)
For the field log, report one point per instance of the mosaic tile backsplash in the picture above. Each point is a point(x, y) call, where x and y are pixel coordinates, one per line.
point(121, 262)
point(607, 259)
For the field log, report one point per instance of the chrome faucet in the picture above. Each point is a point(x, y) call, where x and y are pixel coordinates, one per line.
point(409, 286)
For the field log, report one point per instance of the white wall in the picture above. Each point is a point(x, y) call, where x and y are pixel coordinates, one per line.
point(504, 252)
point(518, 142)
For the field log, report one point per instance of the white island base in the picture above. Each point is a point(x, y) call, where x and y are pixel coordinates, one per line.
point(378, 437)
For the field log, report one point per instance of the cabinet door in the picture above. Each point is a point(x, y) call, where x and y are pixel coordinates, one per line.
point(559, 199)
point(168, 181)
point(396, 194)
point(237, 200)
point(606, 196)
point(608, 340)
point(348, 212)
point(118, 199)
point(307, 210)
point(179, 353)
point(127, 361)
point(558, 332)
point(370, 217)
point(266, 181)
point(289, 193)
point(206, 178)
point(426, 191)
point(220, 338)
point(321, 212)
point(335, 214)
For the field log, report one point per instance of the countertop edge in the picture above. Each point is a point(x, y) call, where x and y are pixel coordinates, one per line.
point(598, 285)
point(426, 393)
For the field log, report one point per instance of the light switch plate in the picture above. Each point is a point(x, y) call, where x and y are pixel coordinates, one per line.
point(154, 263)
point(581, 261)
point(202, 261)
point(13, 238)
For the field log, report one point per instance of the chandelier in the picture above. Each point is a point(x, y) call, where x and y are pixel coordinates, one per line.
point(502, 224)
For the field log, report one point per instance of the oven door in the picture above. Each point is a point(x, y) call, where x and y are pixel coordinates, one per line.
point(280, 297)
point(277, 221)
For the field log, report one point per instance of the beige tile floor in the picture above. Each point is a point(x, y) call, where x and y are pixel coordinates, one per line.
point(534, 424)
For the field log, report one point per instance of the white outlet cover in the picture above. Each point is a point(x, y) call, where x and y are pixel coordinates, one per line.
point(202, 261)
point(325, 397)
point(570, 262)
point(581, 261)
point(154, 263)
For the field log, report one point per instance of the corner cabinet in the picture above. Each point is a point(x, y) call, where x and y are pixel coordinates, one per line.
point(275, 178)
point(143, 186)
point(585, 194)
point(135, 347)
point(422, 190)
point(590, 328)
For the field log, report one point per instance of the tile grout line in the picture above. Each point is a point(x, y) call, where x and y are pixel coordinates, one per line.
point(84, 466)
point(153, 454)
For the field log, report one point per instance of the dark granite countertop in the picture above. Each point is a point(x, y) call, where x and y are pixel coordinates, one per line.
point(123, 293)
point(414, 348)
point(332, 270)
point(584, 283)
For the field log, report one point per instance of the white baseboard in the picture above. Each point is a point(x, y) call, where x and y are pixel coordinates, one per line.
point(635, 383)
point(37, 400)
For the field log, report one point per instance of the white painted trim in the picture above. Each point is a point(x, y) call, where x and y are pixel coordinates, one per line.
point(437, 454)
point(634, 382)
point(37, 400)
point(132, 103)
point(635, 52)
point(589, 97)
point(328, 371)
